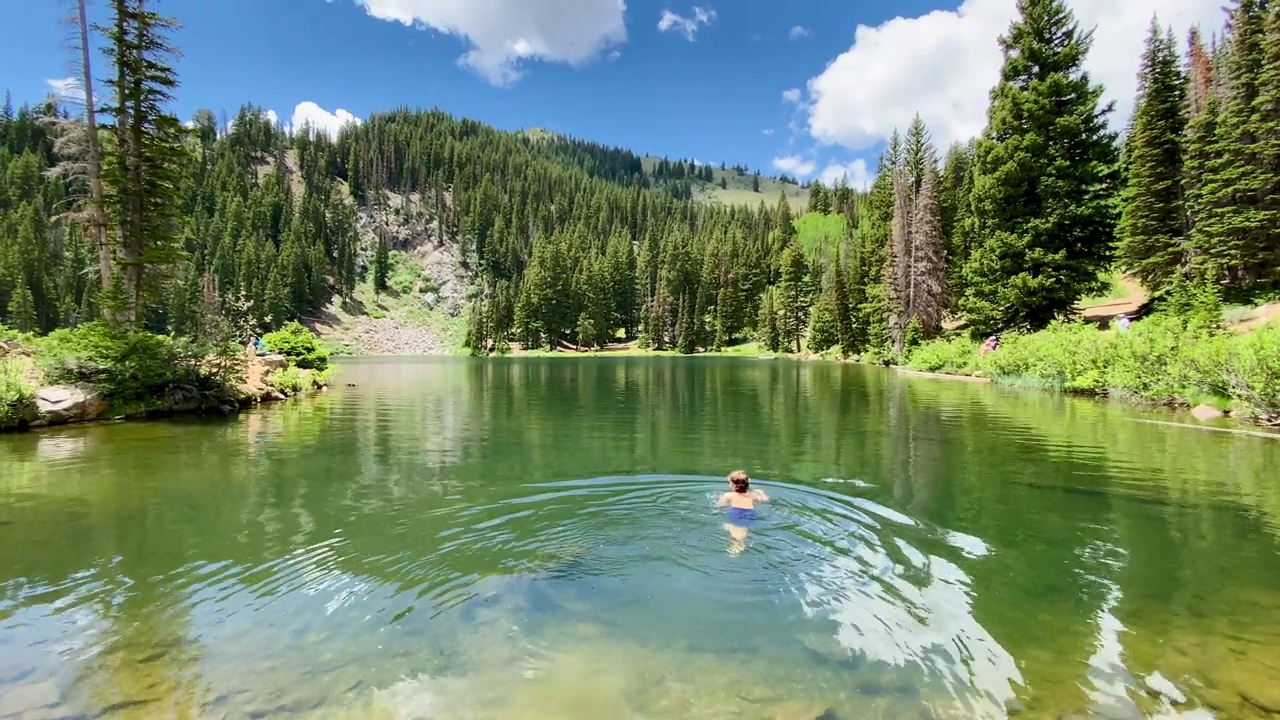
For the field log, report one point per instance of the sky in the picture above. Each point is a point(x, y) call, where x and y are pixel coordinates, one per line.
point(812, 88)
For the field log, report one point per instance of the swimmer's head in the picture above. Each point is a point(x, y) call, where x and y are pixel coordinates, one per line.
point(739, 481)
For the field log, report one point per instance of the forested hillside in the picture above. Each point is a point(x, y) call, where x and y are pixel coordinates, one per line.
point(201, 228)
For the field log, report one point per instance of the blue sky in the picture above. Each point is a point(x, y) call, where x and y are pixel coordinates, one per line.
point(810, 87)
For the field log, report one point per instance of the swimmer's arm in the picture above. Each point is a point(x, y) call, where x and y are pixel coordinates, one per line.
point(759, 495)
point(722, 500)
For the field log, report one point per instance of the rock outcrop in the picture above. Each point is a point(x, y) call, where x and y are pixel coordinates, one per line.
point(66, 404)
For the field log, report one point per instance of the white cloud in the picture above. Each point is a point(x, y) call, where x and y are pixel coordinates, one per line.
point(767, 131)
point(856, 174)
point(943, 65)
point(791, 95)
point(505, 33)
point(798, 32)
point(67, 88)
point(687, 26)
point(272, 116)
point(309, 113)
point(795, 165)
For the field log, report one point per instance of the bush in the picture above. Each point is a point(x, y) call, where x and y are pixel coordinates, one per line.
point(958, 357)
point(16, 395)
point(1249, 369)
point(129, 367)
point(287, 380)
point(405, 273)
point(300, 345)
point(1064, 356)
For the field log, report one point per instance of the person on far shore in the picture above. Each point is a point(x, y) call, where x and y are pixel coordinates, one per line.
point(1122, 323)
point(741, 501)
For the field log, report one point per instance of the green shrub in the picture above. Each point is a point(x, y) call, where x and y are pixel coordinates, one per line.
point(321, 378)
point(287, 380)
point(1249, 368)
point(300, 345)
point(1161, 358)
point(16, 395)
point(958, 357)
point(129, 367)
point(1064, 356)
point(405, 273)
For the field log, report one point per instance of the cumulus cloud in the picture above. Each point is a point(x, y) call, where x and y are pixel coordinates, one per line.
point(791, 95)
point(767, 131)
point(944, 63)
point(329, 123)
point(67, 88)
point(795, 165)
point(687, 26)
point(503, 34)
point(856, 174)
point(798, 32)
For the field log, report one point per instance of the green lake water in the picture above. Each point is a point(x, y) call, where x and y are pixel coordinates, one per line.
point(537, 539)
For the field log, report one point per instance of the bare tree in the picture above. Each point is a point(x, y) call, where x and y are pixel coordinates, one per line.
point(77, 144)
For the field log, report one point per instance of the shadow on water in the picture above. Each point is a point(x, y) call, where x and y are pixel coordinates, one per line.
point(472, 539)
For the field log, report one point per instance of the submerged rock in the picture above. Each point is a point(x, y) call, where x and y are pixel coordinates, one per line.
point(1206, 412)
point(1159, 685)
point(62, 404)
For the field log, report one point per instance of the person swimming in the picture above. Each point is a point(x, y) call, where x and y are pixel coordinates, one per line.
point(741, 501)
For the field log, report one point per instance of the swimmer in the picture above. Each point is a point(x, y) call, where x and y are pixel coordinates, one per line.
point(741, 501)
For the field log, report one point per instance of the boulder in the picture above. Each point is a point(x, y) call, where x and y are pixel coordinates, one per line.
point(274, 362)
point(182, 398)
point(1206, 412)
point(63, 404)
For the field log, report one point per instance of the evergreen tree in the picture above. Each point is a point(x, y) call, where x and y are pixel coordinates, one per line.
point(928, 296)
point(381, 265)
point(1234, 229)
point(768, 324)
point(836, 293)
point(141, 168)
point(1153, 223)
point(755, 183)
point(795, 293)
point(822, 334)
point(22, 308)
point(897, 271)
point(819, 198)
point(1044, 183)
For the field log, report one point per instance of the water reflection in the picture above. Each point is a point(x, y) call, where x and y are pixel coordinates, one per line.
point(470, 537)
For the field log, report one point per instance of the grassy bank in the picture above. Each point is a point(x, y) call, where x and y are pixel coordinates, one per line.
point(1163, 360)
point(135, 373)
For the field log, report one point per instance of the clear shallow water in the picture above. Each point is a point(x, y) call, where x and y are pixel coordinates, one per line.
point(537, 539)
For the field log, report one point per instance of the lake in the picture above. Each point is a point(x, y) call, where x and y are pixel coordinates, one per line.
point(538, 539)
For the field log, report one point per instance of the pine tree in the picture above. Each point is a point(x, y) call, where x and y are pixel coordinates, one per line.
point(1233, 230)
point(768, 324)
point(22, 308)
point(918, 151)
point(1044, 181)
point(928, 293)
point(795, 294)
point(381, 265)
point(836, 292)
point(822, 334)
point(819, 198)
point(897, 270)
point(142, 167)
point(1153, 223)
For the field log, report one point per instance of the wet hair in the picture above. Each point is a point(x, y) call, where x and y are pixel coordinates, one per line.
point(739, 480)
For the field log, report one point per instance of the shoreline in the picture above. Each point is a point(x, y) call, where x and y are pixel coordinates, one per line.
point(67, 404)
